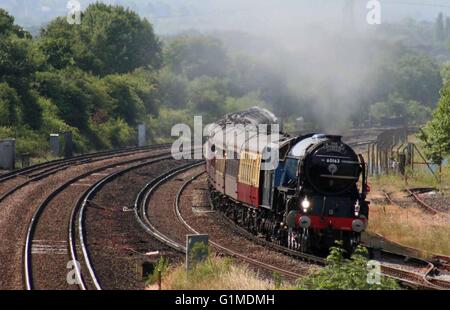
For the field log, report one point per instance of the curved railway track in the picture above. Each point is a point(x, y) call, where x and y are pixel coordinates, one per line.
point(77, 222)
point(143, 200)
point(422, 203)
point(223, 249)
point(25, 176)
point(72, 218)
point(410, 271)
point(48, 219)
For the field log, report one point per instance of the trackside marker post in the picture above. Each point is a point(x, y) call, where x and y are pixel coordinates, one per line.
point(196, 250)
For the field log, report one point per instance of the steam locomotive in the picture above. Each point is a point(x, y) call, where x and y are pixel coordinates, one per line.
point(303, 192)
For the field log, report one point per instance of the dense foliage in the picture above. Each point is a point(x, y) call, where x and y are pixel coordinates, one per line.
point(101, 78)
point(97, 79)
point(436, 133)
point(345, 274)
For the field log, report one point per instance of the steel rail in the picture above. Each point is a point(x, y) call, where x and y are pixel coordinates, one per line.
point(222, 248)
point(22, 171)
point(43, 205)
point(84, 201)
point(59, 165)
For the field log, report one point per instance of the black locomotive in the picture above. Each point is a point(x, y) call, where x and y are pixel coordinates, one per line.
point(314, 195)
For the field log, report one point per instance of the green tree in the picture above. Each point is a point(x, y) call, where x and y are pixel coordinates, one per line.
point(68, 90)
point(445, 73)
point(396, 106)
point(59, 43)
point(110, 39)
point(417, 113)
point(436, 133)
point(7, 26)
point(134, 95)
point(195, 56)
point(9, 106)
point(416, 77)
point(174, 88)
point(207, 96)
point(19, 60)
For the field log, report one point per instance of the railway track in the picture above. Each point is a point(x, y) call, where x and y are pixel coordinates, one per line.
point(412, 272)
point(223, 249)
point(52, 219)
point(34, 218)
point(77, 222)
point(422, 203)
point(175, 241)
point(25, 176)
point(56, 228)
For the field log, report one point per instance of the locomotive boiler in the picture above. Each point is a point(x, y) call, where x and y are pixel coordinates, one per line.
point(303, 192)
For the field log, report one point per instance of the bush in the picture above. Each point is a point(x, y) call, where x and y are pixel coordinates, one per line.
point(10, 112)
point(345, 274)
point(27, 140)
point(160, 270)
point(161, 126)
point(114, 133)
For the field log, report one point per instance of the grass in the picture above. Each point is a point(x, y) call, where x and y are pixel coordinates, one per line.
point(218, 273)
point(420, 177)
point(411, 227)
point(215, 274)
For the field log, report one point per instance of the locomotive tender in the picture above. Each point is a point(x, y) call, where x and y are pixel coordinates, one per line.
point(314, 195)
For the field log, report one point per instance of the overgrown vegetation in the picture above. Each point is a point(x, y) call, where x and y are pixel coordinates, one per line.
point(411, 227)
point(223, 273)
point(345, 274)
point(215, 274)
point(418, 177)
point(159, 271)
point(436, 133)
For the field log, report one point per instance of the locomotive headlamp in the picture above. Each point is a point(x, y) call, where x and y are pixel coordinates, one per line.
point(305, 204)
point(357, 208)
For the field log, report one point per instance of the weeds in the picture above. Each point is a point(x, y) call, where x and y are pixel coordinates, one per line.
point(345, 274)
point(216, 273)
point(411, 227)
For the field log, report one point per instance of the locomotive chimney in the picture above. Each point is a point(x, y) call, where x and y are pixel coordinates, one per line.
point(334, 138)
